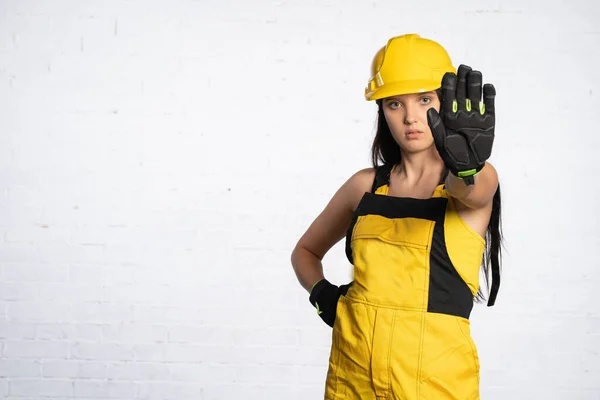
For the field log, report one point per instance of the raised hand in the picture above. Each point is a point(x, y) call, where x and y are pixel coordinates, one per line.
point(463, 130)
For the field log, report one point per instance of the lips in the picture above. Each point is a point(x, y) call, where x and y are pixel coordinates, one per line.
point(413, 134)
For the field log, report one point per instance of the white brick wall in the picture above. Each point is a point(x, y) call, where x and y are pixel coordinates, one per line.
point(158, 161)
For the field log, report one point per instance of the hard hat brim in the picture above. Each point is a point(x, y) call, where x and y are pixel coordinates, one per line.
point(400, 88)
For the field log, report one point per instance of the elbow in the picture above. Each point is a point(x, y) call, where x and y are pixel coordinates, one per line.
point(296, 255)
point(293, 256)
point(301, 252)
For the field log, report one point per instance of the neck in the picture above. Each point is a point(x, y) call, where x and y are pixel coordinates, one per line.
point(416, 166)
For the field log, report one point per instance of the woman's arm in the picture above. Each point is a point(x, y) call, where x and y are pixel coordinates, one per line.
point(478, 195)
point(328, 229)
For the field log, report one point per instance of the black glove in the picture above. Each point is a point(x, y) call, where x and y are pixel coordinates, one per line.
point(324, 297)
point(463, 131)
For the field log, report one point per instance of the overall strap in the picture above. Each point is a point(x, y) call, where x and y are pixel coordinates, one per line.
point(495, 279)
point(382, 177)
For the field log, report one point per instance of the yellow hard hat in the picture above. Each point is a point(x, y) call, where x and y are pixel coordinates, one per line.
point(407, 64)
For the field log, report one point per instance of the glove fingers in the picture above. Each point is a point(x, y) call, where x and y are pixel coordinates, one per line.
point(461, 86)
point(489, 97)
point(474, 81)
point(448, 92)
point(344, 288)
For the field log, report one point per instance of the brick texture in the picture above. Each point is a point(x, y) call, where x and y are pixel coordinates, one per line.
point(159, 159)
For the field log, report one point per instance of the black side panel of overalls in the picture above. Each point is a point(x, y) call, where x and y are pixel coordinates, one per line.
point(448, 292)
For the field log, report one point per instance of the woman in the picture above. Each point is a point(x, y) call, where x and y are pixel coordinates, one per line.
point(418, 228)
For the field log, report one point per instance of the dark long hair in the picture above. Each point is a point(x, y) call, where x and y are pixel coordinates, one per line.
point(385, 150)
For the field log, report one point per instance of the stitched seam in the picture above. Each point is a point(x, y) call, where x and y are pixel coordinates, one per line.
point(359, 221)
point(338, 348)
point(404, 308)
point(423, 317)
point(468, 339)
point(389, 361)
point(421, 341)
point(386, 240)
point(371, 351)
point(475, 396)
point(379, 389)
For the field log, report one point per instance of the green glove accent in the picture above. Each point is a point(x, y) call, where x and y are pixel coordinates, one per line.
point(464, 136)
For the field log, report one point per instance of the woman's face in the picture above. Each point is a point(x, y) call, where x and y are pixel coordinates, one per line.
point(406, 116)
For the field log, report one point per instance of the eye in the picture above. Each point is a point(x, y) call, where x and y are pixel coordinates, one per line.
point(394, 104)
point(426, 100)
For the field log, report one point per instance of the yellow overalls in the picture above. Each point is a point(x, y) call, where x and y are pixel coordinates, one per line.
point(402, 330)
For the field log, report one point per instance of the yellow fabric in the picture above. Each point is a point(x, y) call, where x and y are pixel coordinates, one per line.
point(386, 344)
point(407, 64)
point(465, 247)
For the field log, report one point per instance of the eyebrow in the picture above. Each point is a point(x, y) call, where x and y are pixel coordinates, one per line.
point(397, 98)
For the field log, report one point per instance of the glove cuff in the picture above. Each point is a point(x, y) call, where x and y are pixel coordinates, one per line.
point(468, 176)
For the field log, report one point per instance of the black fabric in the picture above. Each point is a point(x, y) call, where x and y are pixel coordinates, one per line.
point(402, 207)
point(495, 281)
point(324, 296)
point(464, 136)
point(392, 207)
point(382, 177)
point(349, 238)
point(448, 292)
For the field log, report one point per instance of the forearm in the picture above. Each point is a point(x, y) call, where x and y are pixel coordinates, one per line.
point(457, 188)
point(477, 195)
point(308, 268)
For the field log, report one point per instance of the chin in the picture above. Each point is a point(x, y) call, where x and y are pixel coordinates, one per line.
point(415, 146)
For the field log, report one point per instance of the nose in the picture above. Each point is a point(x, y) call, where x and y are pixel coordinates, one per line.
point(411, 115)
